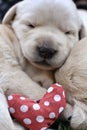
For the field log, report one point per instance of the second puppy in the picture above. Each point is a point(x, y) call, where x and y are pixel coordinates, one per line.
point(73, 76)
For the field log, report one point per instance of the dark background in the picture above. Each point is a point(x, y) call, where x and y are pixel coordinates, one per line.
point(6, 4)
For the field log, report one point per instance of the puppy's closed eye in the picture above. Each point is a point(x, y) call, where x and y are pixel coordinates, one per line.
point(31, 26)
point(69, 32)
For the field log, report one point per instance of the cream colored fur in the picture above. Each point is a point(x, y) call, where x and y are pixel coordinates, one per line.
point(73, 76)
point(26, 26)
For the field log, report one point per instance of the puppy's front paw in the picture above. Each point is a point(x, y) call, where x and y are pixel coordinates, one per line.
point(78, 120)
point(67, 113)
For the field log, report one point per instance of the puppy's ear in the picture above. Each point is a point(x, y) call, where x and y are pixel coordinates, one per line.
point(83, 25)
point(82, 32)
point(10, 15)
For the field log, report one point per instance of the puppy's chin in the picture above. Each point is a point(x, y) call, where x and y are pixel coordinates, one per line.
point(43, 65)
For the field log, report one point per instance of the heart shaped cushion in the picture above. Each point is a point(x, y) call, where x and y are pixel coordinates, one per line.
point(34, 115)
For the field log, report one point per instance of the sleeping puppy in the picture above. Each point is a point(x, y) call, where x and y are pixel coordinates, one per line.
point(73, 76)
point(36, 37)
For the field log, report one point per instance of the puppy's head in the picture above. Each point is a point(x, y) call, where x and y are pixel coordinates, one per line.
point(47, 30)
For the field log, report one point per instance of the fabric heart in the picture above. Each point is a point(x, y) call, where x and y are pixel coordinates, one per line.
point(34, 115)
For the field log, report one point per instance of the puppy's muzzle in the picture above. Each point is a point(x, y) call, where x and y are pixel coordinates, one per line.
point(46, 52)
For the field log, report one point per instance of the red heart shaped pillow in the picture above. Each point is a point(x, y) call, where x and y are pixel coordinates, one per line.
point(38, 116)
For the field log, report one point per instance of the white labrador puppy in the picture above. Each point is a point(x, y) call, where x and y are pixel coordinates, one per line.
point(36, 37)
point(73, 76)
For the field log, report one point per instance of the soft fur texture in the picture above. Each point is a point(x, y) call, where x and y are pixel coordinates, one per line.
point(73, 76)
point(36, 37)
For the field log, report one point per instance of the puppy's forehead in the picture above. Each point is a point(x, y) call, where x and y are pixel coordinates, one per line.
point(48, 9)
point(45, 5)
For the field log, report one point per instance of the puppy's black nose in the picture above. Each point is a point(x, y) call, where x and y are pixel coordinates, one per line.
point(46, 52)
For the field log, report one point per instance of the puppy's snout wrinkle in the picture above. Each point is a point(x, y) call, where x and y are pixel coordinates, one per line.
point(46, 52)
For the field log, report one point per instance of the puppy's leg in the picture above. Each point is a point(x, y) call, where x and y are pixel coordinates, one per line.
point(76, 115)
point(19, 82)
point(79, 117)
point(67, 113)
point(5, 119)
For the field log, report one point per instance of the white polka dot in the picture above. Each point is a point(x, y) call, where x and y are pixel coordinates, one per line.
point(44, 128)
point(46, 103)
point(59, 85)
point(61, 109)
point(64, 94)
point(50, 90)
point(57, 98)
point(36, 107)
point(12, 110)
point(22, 98)
point(52, 115)
point(27, 121)
point(40, 119)
point(24, 108)
point(10, 98)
